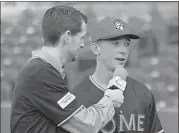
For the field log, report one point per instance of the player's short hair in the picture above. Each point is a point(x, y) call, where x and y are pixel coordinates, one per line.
point(57, 20)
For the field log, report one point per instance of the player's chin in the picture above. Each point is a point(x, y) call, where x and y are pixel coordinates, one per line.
point(119, 65)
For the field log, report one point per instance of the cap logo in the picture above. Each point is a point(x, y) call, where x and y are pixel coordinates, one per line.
point(118, 25)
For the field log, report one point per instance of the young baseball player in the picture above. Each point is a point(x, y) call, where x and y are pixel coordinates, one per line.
point(111, 39)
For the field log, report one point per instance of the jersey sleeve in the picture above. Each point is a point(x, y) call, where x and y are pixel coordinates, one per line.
point(49, 95)
point(154, 121)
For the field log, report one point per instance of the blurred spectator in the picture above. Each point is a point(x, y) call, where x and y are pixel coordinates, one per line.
point(148, 44)
point(172, 36)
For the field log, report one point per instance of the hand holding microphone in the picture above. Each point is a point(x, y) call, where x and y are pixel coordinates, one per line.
point(116, 87)
point(116, 97)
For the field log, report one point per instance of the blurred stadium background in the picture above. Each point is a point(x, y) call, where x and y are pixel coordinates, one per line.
point(153, 59)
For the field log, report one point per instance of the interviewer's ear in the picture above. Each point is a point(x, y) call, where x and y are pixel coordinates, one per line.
point(66, 38)
point(95, 48)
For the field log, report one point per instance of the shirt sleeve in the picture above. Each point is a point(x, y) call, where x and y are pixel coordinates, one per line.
point(155, 124)
point(49, 95)
point(92, 119)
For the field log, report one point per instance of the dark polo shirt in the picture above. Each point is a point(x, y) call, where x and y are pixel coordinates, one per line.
point(36, 105)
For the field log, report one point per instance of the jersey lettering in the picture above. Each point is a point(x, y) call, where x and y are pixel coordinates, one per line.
point(130, 124)
point(140, 122)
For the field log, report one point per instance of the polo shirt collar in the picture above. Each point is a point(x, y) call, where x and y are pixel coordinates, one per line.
point(49, 59)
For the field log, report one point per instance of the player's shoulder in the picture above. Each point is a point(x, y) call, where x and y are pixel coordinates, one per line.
point(84, 82)
point(83, 87)
point(140, 88)
point(137, 83)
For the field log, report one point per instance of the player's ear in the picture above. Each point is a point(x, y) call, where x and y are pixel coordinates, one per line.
point(95, 48)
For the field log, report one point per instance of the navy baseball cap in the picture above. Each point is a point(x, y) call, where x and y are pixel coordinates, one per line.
point(109, 28)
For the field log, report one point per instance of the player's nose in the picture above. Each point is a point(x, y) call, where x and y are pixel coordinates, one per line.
point(122, 49)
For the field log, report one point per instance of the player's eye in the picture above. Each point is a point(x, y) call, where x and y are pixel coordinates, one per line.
point(115, 43)
point(127, 44)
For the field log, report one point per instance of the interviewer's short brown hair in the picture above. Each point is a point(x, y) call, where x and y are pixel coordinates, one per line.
point(58, 20)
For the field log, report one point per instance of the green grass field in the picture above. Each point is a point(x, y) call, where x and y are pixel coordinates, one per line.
point(169, 120)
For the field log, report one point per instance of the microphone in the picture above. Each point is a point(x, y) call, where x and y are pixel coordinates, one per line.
point(119, 79)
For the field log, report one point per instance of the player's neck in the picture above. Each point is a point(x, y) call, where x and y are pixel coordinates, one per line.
point(102, 75)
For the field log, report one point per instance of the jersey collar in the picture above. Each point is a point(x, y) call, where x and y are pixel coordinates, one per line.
point(96, 84)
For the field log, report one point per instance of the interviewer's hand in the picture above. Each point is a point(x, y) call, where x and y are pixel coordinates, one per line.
point(116, 96)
